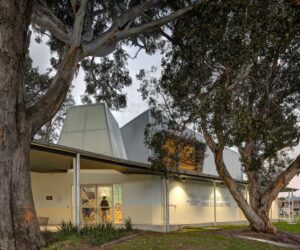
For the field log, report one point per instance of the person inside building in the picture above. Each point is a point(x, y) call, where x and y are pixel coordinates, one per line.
point(104, 209)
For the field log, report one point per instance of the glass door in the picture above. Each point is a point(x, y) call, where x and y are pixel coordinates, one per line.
point(101, 204)
point(104, 204)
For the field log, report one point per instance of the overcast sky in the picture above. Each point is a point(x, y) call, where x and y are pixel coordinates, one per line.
point(135, 105)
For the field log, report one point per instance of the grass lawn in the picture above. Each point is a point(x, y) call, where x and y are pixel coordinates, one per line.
point(290, 228)
point(200, 238)
point(191, 238)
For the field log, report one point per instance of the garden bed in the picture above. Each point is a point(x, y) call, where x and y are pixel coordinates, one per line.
point(90, 236)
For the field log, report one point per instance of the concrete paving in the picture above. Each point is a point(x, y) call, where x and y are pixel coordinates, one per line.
point(269, 242)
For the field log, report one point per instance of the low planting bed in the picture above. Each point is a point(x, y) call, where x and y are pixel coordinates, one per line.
point(90, 236)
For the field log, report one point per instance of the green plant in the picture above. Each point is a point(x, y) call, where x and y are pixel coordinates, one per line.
point(99, 234)
point(66, 228)
point(128, 224)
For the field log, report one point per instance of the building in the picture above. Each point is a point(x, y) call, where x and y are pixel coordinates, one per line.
point(95, 158)
point(290, 205)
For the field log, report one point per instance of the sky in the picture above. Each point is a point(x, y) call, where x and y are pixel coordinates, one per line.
point(135, 105)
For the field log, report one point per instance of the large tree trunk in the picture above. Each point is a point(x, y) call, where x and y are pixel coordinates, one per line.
point(262, 210)
point(257, 212)
point(18, 222)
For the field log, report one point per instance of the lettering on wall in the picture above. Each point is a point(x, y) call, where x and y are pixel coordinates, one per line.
point(208, 201)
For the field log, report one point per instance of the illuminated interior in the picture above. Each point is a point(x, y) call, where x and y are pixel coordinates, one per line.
point(187, 156)
point(92, 196)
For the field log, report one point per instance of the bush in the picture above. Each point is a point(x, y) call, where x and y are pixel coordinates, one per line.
point(95, 235)
point(128, 224)
point(99, 234)
point(66, 228)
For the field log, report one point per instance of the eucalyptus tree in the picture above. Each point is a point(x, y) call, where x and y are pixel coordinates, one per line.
point(78, 32)
point(36, 84)
point(235, 76)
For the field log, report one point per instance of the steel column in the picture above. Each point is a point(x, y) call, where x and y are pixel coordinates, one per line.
point(215, 204)
point(78, 191)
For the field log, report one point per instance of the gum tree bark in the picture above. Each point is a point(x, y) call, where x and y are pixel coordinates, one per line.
point(18, 220)
point(257, 210)
point(18, 224)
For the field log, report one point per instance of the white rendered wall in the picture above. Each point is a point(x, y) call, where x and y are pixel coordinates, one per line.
point(141, 195)
point(190, 202)
point(59, 186)
point(193, 203)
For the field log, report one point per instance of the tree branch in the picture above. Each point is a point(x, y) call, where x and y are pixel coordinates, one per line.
point(44, 18)
point(154, 24)
point(77, 30)
point(208, 138)
point(114, 35)
point(282, 180)
point(50, 103)
point(73, 4)
point(233, 188)
point(164, 34)
point(290, 144)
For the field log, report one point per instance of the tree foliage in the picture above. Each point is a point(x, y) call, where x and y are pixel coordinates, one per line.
point(36, 85)
point(77, 32)
point(106, 73)
point(234, 75)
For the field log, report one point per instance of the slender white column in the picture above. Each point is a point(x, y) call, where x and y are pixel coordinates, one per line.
point(74, 192)
point(271, 211)
point(166, 212)
point(247, 193)
point(215, 204)
point(292, 204)
point(167, 206)
point(78, 191)
point(164, 207)
point(289, 205)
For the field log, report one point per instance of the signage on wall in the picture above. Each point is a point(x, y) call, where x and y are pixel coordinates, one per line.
point(208, 201)
point(49, 198)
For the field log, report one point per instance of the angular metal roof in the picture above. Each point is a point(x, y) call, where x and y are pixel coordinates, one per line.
point(93, 128)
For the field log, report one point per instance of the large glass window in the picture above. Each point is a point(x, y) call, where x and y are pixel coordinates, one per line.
point(88, 205)
point(101, 204)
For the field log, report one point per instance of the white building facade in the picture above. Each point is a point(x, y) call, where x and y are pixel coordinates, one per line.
point(94, 158)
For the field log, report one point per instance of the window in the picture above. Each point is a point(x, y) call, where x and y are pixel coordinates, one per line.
point(101, 204)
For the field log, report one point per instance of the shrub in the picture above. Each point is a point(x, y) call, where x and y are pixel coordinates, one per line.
point(99, 234)
point(91, 234)
point(128, 224)
point(66, 228)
